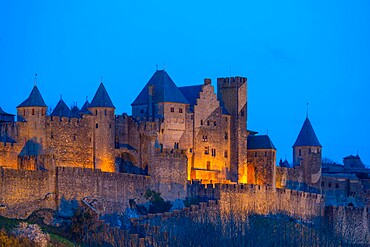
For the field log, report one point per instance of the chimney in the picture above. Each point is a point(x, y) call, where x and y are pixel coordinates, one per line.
point(207, 81)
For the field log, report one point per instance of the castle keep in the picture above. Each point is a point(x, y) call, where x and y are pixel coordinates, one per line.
point(175, 136)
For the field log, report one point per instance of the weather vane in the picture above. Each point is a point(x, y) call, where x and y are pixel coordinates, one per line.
point(35, 79)
point(307, 110)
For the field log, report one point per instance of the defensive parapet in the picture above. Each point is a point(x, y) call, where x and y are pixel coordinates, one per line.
point(23, 191)
point(260, 199)
point(232, 94)
point(168, 152)
point(351, 223)
point(236, 81)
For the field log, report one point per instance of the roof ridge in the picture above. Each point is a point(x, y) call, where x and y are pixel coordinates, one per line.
point(307, 136)
point(101, 98)
point(61, 110)
point(34, 99)
point(165, 90)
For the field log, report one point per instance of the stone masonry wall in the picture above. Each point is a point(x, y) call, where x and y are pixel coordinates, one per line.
point(261, 199)
point(70, 141)
point(22, 192)
point(264, 169)
point(168, 171)
point(112, 189)
point(351, 223)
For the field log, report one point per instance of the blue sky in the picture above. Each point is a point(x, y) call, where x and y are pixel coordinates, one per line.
point(292, 52)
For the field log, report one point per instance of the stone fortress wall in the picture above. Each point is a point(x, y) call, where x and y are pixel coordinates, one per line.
point(22, 191)
point(261, 199)
point(98, 156)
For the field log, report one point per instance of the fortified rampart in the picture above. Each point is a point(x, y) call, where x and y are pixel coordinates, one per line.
point(351, 223)
point(22, 192)
point(70, 141)
point(168, 171)
point(113, 190)
point(261, 199)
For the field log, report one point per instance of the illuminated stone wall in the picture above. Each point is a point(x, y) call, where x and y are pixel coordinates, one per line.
point(232, 91)
point(22, 192)
point(262, 163)
point(173, 125)
point(211, 148)
point(9, 155)
point(262, 199)
point(112, 189)
point(103, 138)
point(168, 171)
point(35, 128)
point(309, 158)
point(70, 141)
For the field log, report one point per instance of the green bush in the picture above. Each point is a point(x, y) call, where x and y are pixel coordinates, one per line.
point(191, 201)
point(157, 203)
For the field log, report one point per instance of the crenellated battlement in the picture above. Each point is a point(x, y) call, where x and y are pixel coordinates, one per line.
point(167, 152)
point(67, 120)
point(207, 189)
point(226, 82)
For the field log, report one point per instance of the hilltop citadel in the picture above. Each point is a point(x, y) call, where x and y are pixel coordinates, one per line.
point(177, 139)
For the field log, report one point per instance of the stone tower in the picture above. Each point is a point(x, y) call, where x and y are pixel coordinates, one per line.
point(103, 125)
point(261, 160)
point(232, 94)
point(32, 115)
point(307, 154)
point(161, 99)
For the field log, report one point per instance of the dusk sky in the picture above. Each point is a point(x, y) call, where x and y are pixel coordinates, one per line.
point(292, 52)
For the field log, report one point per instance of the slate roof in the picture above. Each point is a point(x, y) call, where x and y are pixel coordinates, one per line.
point(260, 142)
point(191, 93)
point(61, 110)
point(353, 161)
point(307, 136)
point(7, 139)
point(31, 148)
point(2, 112)
point(101, 98)
point(165, 90)
point(84, 109)
point(75, 112)
point(224, 111)
point(284, 163)
point(35, 99)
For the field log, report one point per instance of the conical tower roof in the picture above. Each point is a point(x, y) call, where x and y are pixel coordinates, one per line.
point(75, 112)
point(84, 109)
point(260, 142)
point(164, 88)
point(307, 136)
point(35, 99)
point(61, 110)
point(101, 98)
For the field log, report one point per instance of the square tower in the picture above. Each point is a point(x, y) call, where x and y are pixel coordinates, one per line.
point(232, 94)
